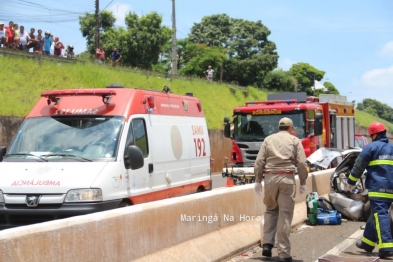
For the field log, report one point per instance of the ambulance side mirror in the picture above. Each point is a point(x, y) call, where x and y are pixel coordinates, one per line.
point(227, 127)
point(133, 159)
point(318, 124)
point(3, 150)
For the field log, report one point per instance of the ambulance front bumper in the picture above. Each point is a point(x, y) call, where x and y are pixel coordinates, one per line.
point(20, 214)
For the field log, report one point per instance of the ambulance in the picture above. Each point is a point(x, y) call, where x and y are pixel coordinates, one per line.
point(88, 150)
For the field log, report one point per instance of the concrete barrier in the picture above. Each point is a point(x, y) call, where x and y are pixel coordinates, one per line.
point(208, 226)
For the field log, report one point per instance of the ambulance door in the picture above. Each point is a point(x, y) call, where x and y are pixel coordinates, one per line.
point(139, 180)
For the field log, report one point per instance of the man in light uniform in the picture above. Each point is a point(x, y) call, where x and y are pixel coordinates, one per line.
point(276, 162)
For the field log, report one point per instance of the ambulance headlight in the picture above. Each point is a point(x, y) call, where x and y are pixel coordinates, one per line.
point(84, 195)
point(1, 197)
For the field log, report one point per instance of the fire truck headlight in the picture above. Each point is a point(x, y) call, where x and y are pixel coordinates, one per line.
point(1, 197)
point(84, 195)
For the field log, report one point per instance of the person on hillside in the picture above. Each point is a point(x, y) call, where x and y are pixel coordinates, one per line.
point(3, 35)
point(33, 42)
point(377, 159)
point(10, 34)
point(15, 44)
point(40, 42)
point(69, 52)
point(100, 54)
point(47, 43)
point(58, 47)
point(52, 47)
point(115, 57)
point(24, 38)
point(279, 156)
point(209, 74)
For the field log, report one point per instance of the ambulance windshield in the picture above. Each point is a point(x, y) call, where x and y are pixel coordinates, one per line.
point(248, 127)
point(74, 138)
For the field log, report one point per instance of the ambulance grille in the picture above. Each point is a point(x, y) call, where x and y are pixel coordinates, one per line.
point(40, 206)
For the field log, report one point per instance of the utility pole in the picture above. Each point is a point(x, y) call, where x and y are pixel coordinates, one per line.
point(97, 17)
point(174, 49)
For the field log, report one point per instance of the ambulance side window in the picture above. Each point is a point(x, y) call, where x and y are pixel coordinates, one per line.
point(137, 136)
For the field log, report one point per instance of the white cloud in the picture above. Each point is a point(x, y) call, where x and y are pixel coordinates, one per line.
point(378, 78)
point(387, 49)
point(120, 11)
point(286, 64)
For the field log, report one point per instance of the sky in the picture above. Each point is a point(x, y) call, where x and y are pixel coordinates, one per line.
point(350, 40)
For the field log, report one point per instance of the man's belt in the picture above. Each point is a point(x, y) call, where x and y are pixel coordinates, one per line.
point(279, 173)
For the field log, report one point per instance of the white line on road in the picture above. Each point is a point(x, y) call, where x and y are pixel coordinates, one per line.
point(345, 244)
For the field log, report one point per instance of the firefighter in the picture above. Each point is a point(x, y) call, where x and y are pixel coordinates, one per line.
point(277, 160)
point(377, 159)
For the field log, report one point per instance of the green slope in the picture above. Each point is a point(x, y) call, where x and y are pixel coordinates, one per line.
point(363, 118)
point(22, 81)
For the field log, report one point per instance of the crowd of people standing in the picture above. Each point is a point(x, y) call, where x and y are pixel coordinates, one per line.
point(15, 37)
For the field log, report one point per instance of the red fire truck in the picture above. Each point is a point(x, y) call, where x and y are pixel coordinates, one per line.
point(325, 121)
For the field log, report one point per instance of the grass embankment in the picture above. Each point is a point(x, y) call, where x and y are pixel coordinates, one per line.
point(22, 81)
point(365, 119)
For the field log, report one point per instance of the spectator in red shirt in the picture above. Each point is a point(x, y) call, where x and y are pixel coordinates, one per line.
point(10, 34)
point(58, 46)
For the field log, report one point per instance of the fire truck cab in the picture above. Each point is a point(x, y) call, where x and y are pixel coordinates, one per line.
point(324, 121)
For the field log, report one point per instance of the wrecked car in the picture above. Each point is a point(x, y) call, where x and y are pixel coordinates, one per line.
point(353, 205)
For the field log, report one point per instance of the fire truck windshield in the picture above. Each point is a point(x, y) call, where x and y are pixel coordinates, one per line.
point(248, 127)
point(71, 138)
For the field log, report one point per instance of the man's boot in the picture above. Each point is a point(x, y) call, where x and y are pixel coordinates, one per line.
point(267, 250)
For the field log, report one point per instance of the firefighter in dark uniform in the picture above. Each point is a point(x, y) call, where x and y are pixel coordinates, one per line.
point(377, 159)
point(276, 162)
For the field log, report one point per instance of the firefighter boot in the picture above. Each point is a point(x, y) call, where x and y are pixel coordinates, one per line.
point(267, 250)
point(385, 254)
point(365, 247)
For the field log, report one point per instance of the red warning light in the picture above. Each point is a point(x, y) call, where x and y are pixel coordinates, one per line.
point(150, 101)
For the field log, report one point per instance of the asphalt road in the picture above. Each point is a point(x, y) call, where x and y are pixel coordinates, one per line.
point(319, 243)
point(218, 181)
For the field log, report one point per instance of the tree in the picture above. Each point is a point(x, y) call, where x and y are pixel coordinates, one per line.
point(140, 43)
point(146, 39)
point(280, 80)
point(305, 75)
point(329, 89)
point(376, 108)
point(197, 57)
point(250, 54)
point(87, 24)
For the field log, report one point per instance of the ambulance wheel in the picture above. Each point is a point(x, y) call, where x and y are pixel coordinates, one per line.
point(124, 203)
point(200, 189)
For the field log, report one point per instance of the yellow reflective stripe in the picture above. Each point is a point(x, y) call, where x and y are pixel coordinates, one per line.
point(368, 242)
point(378, 194)
point(386, 245)
point(381, 162)
point(378, 228)
point(352, 178)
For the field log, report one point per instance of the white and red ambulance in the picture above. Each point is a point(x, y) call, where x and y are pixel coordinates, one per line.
point(87, 150)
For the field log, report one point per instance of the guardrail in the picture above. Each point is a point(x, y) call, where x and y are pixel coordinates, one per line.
point(208, 226)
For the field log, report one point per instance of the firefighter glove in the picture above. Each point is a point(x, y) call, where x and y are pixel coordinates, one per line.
point(258, 189)
point(303, 189)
